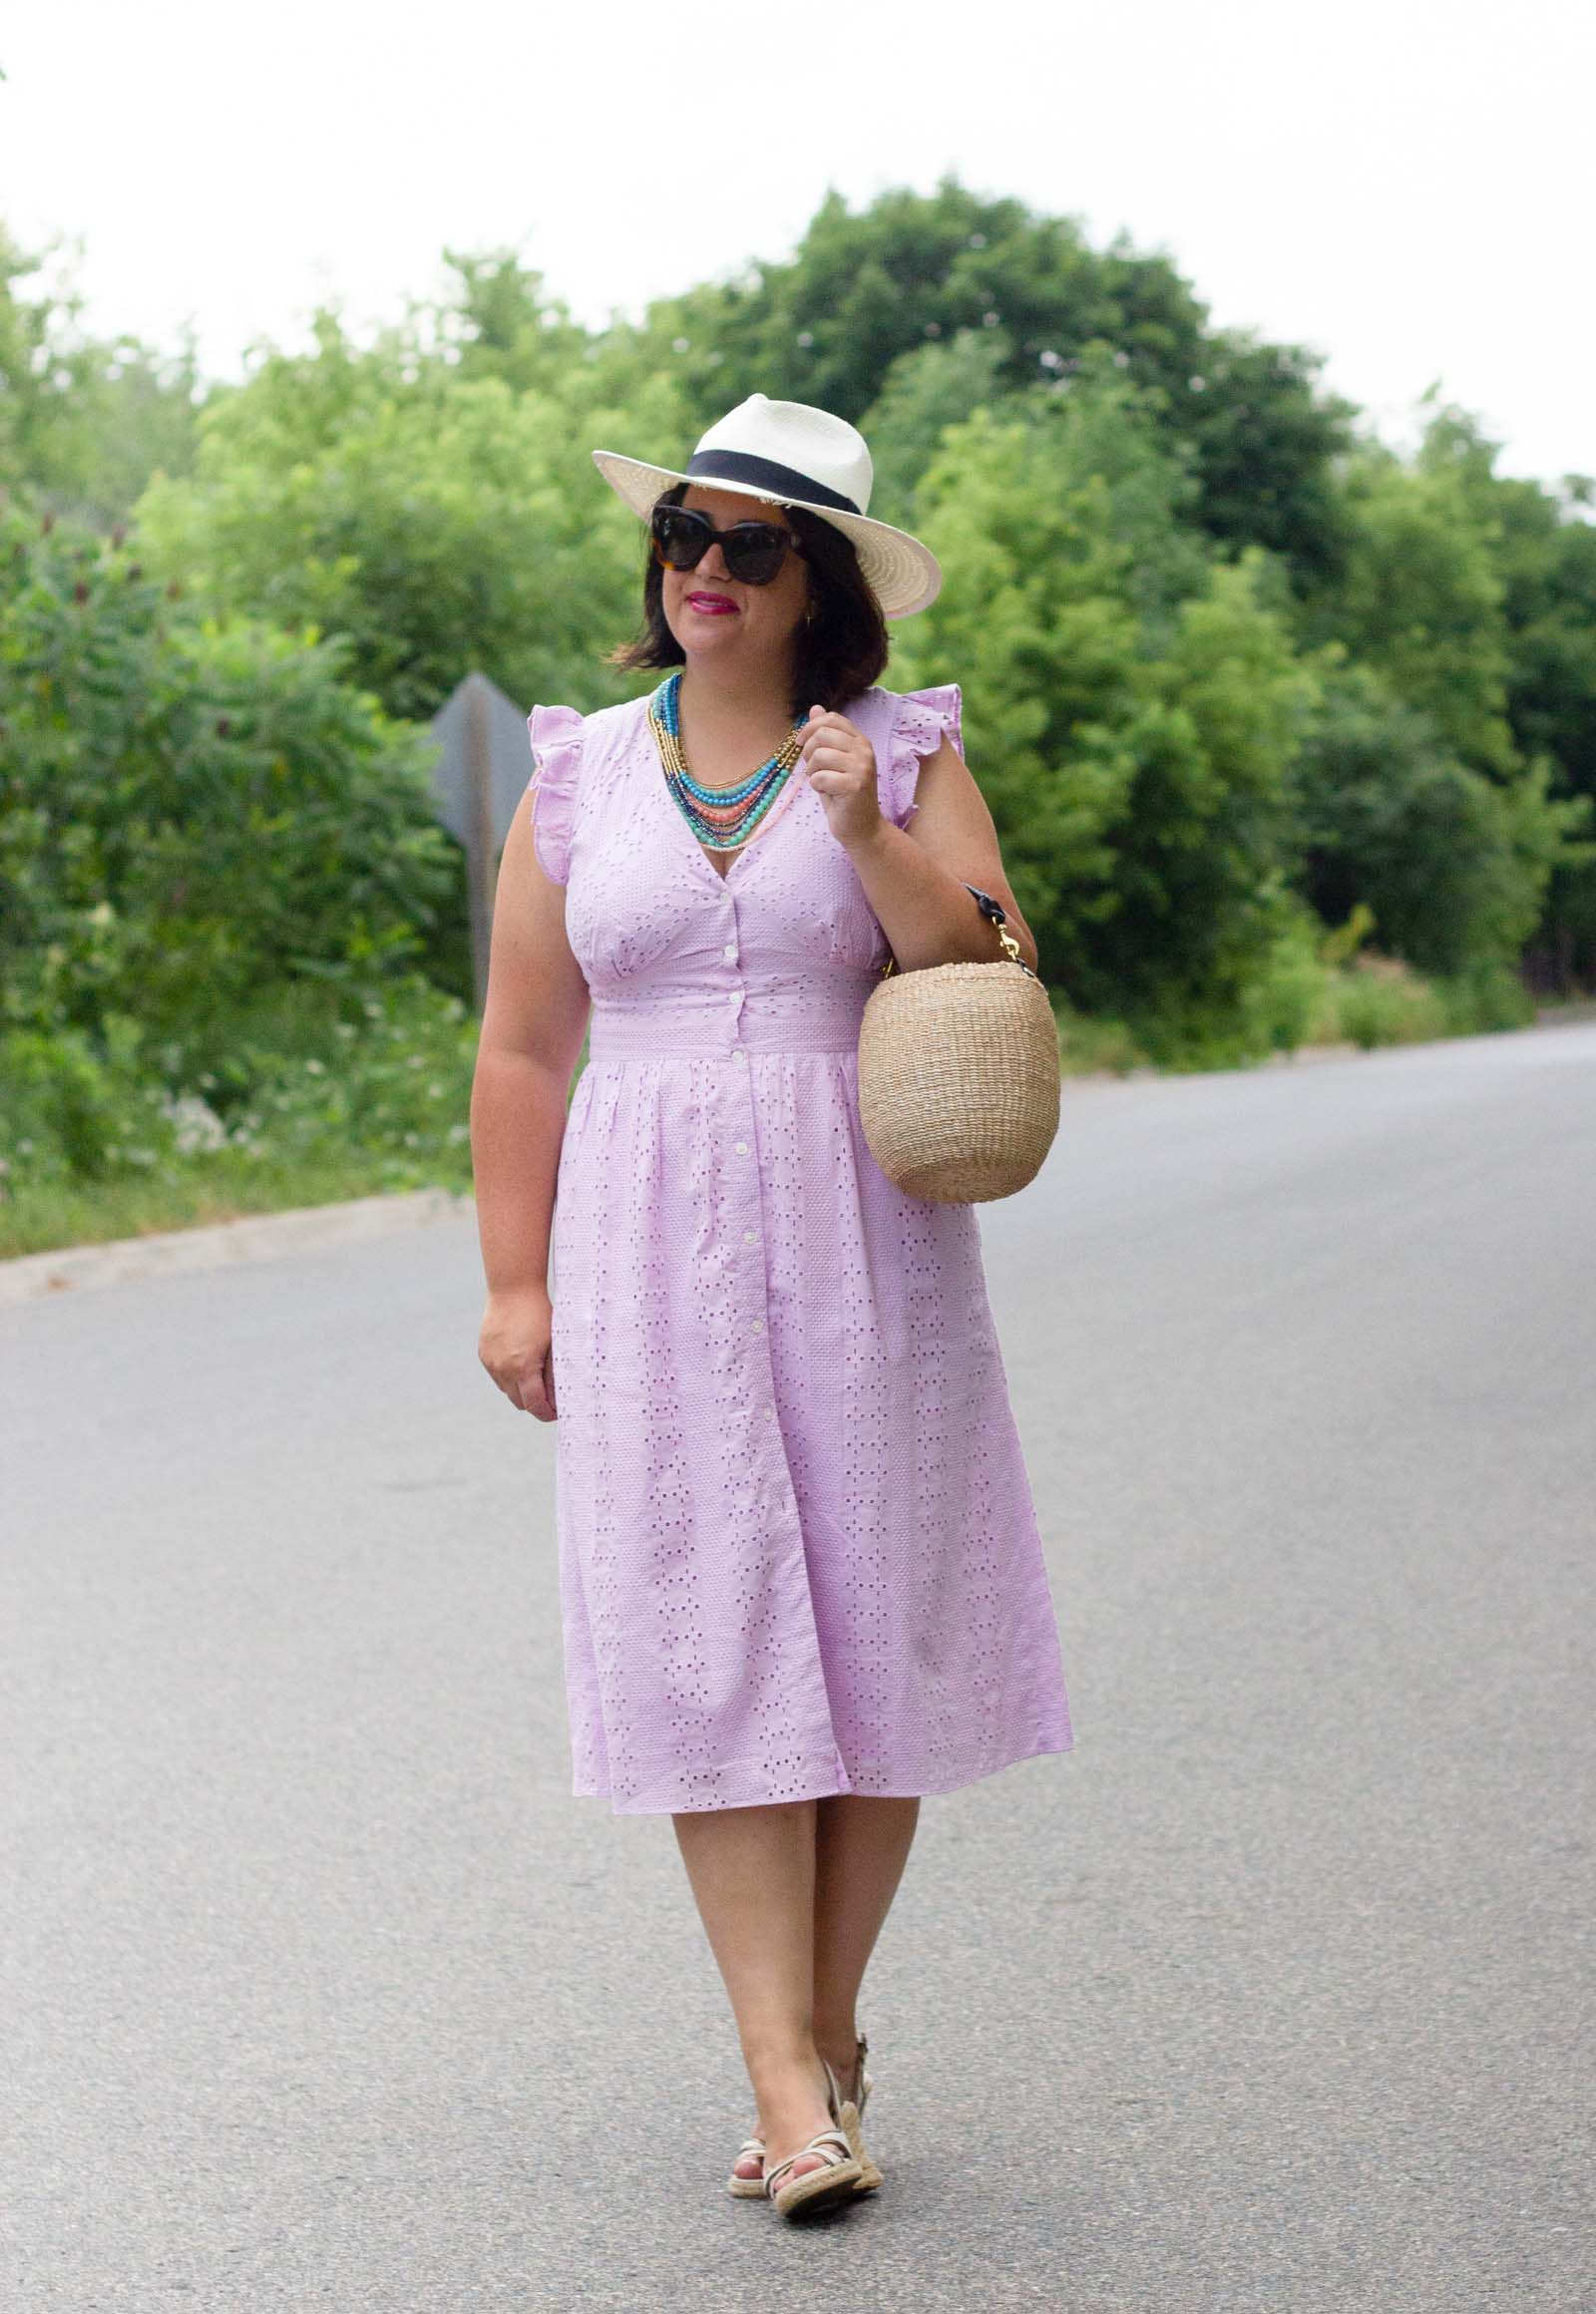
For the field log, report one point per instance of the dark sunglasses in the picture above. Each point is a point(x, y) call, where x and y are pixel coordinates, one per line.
point(754, 552)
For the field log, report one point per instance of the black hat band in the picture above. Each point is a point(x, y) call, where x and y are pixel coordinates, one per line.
point(783, 481)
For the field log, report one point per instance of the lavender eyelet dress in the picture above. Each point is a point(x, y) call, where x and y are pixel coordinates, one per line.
point(798, 1551)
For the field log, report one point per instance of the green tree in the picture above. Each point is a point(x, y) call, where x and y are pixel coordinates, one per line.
point(1453, 864)
point(192, 811)
point(925, 391)
point(1134, 748)
point(860, 290)
point(436, 519)
point(1421, 599)
point(1545, 559)
point(84, 421)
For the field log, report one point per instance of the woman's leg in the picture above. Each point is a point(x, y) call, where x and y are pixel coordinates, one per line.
point(752, 1872)
point(793, 1897)
point(861, 1847)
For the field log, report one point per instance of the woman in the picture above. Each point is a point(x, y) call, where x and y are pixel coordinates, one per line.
point(802, 1582)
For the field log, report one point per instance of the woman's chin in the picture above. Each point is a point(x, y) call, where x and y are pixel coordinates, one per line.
point(701, 633)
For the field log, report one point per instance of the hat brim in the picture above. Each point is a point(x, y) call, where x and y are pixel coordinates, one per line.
point(903, 575)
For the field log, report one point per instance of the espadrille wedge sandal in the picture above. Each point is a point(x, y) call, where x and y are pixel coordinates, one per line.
point(752, 2150)
point(834, 2181)
point(751, 2187)
point(856, 2107)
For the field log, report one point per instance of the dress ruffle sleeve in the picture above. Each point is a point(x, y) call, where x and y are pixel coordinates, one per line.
point(924, 719)
point(556, 734)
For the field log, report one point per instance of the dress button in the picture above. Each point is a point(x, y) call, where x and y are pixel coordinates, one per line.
point(770, 1413)
point(743, 1148)
point(759, 1326)
point(735, 998)
point(749, 1236)
point(730, 955)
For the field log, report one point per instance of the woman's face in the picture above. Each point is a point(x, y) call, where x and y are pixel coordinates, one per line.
point(709, 612)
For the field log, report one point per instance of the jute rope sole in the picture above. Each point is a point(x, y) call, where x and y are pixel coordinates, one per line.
point(869, 2178)
point(810, 2188)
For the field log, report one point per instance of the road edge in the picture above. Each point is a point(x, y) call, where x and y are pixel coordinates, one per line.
point(262, 1237)
point(314, 1227)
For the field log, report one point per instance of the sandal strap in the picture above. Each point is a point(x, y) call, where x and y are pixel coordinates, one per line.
point(831, 2146)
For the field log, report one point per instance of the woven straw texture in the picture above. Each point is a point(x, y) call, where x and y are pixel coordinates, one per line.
point(959, 1080)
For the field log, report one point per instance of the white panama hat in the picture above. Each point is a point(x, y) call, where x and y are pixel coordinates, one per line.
point(791, 454)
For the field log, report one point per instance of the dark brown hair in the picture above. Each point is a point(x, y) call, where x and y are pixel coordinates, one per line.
point(840, 653)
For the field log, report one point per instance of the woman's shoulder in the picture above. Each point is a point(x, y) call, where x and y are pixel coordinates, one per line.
point(907, 728)
point(564, 740)
point(566, 745)
point(918, 721)
point(557, 722)
point(925, 715)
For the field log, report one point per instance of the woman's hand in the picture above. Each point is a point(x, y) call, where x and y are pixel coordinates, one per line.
point(515, 1347)
point(841, 767)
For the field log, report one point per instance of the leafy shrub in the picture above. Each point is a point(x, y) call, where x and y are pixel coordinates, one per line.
point(399, 1082)
point(81, 1111)
point(190, 811)
point(1453, 864)
point(78, 1108)
point(1382, 1000)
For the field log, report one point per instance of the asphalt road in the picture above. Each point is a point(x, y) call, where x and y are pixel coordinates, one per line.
point(320, 1990)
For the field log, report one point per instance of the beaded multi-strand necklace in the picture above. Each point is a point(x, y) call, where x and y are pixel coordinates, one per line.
point(720, 817)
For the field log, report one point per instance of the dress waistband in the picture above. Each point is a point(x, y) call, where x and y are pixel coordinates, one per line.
point(721, 1023)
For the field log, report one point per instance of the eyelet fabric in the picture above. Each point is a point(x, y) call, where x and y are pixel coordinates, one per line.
point(798, 1549)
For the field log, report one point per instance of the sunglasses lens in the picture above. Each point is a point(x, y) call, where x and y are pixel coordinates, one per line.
point(755, 551)
point(682, 537)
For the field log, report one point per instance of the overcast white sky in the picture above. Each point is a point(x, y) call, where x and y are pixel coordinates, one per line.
point(1404, 185)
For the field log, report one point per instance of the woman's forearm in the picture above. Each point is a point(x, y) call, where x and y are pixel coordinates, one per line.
point(926, 912)
point(517, 1124)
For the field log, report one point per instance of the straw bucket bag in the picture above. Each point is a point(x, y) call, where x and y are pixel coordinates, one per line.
point(959, 1076)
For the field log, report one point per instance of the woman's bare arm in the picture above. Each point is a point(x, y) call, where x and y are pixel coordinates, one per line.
point(915, 877)
point(534, 1021)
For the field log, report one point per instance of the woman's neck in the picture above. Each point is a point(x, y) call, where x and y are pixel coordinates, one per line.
point(735, 699)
